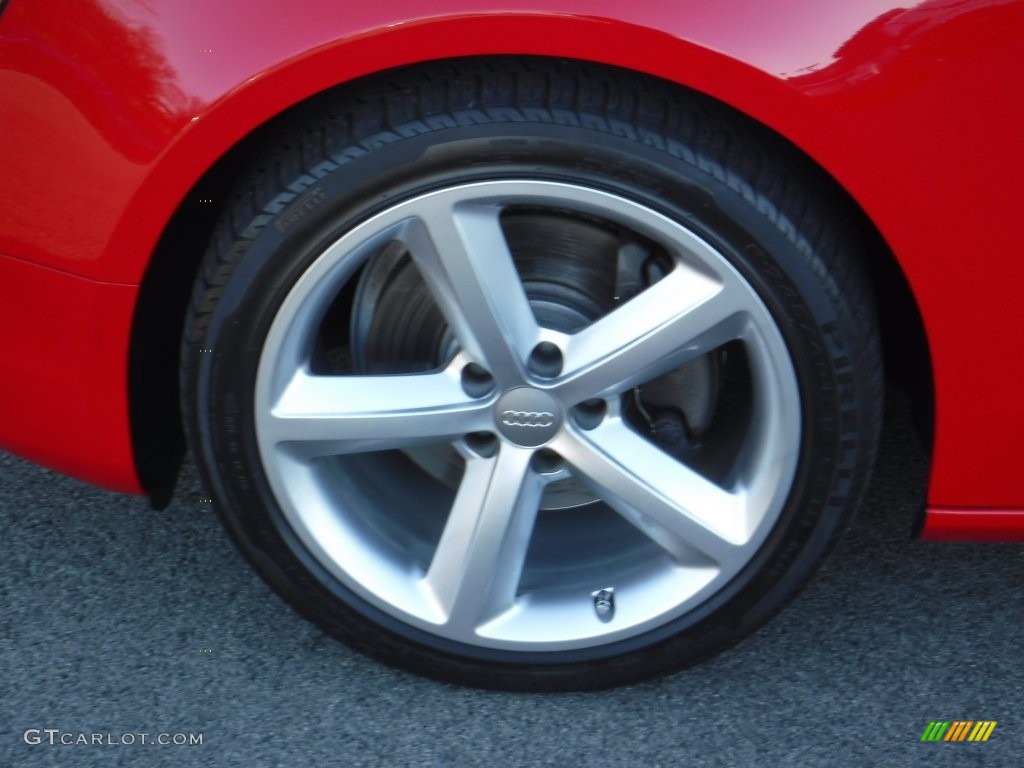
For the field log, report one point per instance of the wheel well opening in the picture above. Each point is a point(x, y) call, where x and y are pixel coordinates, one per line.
point(158, 438)
point(156, 420)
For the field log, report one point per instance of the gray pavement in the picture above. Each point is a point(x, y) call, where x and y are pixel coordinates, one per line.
point(116, 619)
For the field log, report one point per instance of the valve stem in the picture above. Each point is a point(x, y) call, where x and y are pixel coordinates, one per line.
point(604, 603)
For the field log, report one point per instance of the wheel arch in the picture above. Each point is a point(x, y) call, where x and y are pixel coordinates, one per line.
point(234, 130)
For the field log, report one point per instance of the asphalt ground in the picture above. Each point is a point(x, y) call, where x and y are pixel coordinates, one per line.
point(115, 620)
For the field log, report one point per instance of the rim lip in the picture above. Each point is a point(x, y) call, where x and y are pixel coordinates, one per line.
point(299, 315)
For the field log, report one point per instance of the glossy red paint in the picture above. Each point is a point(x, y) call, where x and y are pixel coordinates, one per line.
point(941, 524)
point(63, 389)
point(116, 107)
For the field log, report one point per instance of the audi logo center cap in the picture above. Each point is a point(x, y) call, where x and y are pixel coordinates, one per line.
point(528, 417)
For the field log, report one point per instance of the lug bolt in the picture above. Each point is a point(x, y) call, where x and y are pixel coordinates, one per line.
point(482, 443)
point(546, 360)
point(546, 462)
point(476, 381)
point(590, 413)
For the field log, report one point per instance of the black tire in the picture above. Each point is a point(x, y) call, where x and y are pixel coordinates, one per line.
point(390, 138)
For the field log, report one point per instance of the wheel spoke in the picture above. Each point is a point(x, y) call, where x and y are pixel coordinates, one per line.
point(463, 256)
point(679, 318)
point(328, 415)
point(671, 503)
point(475, 570)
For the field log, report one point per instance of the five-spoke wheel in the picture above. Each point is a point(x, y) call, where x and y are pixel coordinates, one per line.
point(524, 404)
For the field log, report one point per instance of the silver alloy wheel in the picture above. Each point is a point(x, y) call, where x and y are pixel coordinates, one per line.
point(695, 533)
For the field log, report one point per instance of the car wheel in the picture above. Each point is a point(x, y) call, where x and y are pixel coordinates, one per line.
point(532, 375)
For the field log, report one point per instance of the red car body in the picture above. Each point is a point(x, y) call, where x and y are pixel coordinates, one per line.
point(118, 119)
